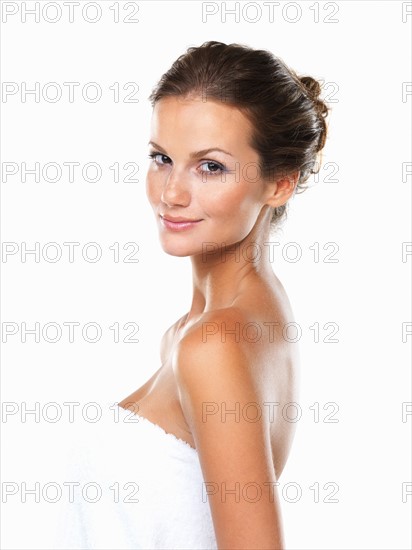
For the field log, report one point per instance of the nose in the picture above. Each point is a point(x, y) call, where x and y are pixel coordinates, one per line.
point(175, 190)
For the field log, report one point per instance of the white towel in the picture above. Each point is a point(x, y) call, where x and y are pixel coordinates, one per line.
point(148, 483)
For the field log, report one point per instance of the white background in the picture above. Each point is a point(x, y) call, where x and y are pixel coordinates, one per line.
point(363, 57)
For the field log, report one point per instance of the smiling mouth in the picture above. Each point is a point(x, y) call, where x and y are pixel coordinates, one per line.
point(180, 225)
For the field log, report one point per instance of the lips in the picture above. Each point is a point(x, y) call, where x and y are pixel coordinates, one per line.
point(178, 223)
point(179, 219)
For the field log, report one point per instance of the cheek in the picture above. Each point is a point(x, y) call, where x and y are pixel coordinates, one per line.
point(234, 201)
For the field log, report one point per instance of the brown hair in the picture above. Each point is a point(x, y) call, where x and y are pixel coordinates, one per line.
point(286, 112)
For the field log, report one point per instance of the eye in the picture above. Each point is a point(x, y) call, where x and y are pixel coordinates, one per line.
point(212, 167)
point(159, 158)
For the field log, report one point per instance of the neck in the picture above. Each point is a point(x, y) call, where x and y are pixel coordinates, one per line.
point(222, 273)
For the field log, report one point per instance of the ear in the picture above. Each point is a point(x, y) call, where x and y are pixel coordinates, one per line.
point(282, 189)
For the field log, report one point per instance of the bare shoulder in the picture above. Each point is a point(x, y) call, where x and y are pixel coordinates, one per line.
point(218, 334)
point(216, 383)
point(217, 359)
point(244, 338)
point(213, 370)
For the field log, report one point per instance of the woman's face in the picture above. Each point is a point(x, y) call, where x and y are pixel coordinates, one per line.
point(202, 169)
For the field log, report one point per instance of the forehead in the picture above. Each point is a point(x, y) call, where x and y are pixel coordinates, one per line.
point(193, 124)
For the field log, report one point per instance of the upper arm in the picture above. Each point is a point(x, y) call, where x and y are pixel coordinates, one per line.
point(215, 384)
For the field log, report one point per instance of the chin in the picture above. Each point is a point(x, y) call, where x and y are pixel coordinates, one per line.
point(177, 253)
point(179, 249)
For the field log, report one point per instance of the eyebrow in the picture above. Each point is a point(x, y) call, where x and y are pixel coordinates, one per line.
point(196, 154)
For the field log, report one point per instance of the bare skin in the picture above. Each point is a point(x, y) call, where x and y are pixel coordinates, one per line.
point(158, 399)
point(203, 363)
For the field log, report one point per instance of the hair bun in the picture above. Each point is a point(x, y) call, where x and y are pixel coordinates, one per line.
point(313, 89)
point(312, 86)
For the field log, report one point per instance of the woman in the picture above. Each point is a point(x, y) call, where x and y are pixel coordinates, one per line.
point(235, 134)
